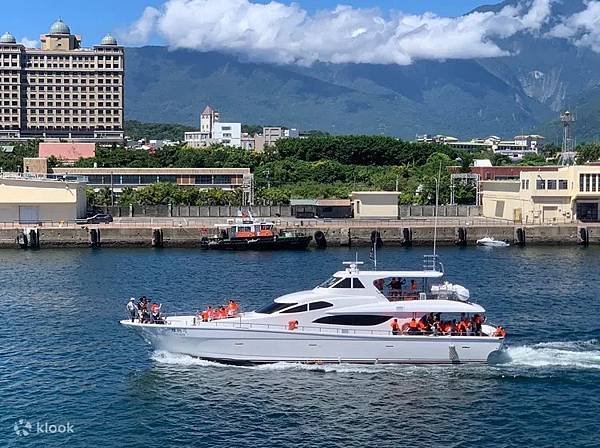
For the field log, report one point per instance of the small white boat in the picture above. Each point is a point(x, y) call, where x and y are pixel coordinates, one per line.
point(354, 317)
point(492, 242)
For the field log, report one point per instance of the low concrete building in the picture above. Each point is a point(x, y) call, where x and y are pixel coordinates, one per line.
point(545, 197)
point(32, 200)
point(203, 178)
point(321, 208)
point(375, 204)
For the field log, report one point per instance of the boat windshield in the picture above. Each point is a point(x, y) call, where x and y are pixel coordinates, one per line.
point(328, 283)
point(273, 307)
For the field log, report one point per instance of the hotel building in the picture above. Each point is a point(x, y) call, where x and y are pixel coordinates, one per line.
point(61, 90)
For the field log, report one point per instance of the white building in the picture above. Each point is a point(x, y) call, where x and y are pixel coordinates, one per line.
point(213, 132)
point(31, 199)
point(208, 118)
point(516, 148)
point(228, 134)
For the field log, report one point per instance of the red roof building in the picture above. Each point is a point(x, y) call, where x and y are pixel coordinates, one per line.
point(67, 152)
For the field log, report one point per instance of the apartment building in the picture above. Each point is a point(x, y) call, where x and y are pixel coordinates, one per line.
point(61, 90)
point(550, 196)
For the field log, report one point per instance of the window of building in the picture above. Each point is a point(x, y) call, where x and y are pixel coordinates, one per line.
point(203, 180)
point(540, 184)
point(587, 211)
point(551, 184)
point(563, 184)
point(222, 180)
point(588, 182)
point(357, 320)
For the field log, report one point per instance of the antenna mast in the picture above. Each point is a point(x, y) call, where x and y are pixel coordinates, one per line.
point(437, 203)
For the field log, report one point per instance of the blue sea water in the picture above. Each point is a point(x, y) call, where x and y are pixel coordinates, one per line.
point(65, 360)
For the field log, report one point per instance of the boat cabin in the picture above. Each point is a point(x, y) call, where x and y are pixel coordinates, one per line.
point(246, 228)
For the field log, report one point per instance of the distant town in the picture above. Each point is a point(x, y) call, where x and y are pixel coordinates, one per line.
point(62, 120)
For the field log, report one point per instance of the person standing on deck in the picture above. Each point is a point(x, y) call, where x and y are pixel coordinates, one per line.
point(132, 309)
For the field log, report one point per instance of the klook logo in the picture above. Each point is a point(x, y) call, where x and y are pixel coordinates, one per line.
point(24, 427)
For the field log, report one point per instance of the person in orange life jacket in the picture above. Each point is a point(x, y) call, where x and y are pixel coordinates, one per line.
point(395, 327)
point(413, 326)
point(212, 313)
point(423, 324)
point(292, 325)
point(205, 315)
point(232, 308)
point(413, 285)
point(500, 332)
point(476, 323)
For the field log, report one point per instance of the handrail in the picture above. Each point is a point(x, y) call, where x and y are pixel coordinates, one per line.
point(245, 325)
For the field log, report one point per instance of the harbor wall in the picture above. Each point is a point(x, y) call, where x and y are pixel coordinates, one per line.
point(189, 236)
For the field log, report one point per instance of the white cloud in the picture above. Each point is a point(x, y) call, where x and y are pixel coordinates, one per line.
point(140, 31)
point(29, 43)
point(582, 28)
point(281, 33)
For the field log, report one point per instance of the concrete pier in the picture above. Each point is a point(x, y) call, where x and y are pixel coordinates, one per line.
point(351, 233)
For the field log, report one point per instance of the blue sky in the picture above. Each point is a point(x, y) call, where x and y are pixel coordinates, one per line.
point(94, 18)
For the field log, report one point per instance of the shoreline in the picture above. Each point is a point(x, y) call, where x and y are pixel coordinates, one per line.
point(350, 233)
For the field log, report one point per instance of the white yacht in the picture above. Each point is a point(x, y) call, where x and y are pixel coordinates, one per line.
point(353, 317)
point(492, 242)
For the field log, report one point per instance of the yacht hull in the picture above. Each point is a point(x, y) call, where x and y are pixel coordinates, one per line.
point(258, 346)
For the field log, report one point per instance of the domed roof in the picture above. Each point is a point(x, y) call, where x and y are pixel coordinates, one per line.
point(108, 40)
point(7, 38)
point(59, 27)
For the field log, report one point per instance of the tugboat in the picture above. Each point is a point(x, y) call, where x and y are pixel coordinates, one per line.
point(246, 233)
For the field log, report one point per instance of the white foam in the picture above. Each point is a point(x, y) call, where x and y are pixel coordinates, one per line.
point(568, 354)
point(328, 368)
point(179, 359)
point(164, 357)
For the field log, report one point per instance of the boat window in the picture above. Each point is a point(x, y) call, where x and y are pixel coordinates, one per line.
point(358, 320)
point(273, 307)
point(356, 283)
point(296, 309)
point(319, 305)
point(329, 282)
point(346, 283)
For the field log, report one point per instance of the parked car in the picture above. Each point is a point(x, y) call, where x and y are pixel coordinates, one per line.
point(98, 218)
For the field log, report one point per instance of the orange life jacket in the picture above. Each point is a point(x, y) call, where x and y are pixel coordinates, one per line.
point(413, 324)
point(292, 325)
point(423, 325)
point(205, 315)
point(395, 326)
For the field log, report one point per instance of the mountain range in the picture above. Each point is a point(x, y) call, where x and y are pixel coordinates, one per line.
point(520, 93)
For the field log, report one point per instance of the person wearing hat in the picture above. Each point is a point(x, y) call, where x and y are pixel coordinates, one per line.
point(132, 309)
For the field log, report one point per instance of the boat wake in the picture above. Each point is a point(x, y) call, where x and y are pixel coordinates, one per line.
point(163, 357)
point(178, 359)
point(565, 354)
